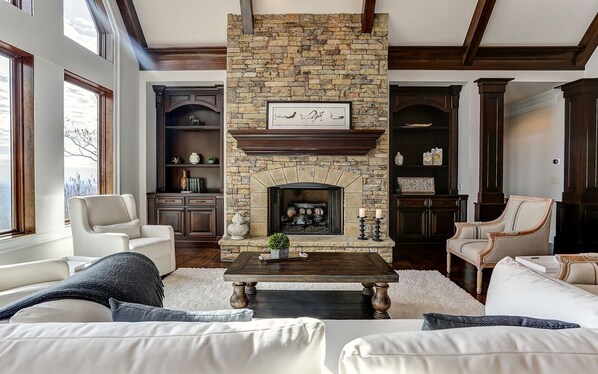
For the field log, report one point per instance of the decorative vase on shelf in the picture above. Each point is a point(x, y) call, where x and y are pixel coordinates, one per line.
point(194, 158)
point(238, 229)
point(399, 159)
point(184, 181)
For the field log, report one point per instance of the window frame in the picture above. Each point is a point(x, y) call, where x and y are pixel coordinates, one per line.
point(25, 5)
point(105, 130)
point(97, 9)
point(23, 147)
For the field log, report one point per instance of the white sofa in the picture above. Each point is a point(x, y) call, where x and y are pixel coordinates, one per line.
point(304, 346)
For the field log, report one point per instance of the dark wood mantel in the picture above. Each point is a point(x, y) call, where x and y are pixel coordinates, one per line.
point(302, 142)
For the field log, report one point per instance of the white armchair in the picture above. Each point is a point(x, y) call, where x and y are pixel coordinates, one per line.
point(23, 279)
point(106, 224)
point(522, 230)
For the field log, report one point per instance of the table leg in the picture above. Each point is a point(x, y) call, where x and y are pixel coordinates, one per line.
point(250, 288)
point(239, 299)
point(381, 301)
point(368, 288)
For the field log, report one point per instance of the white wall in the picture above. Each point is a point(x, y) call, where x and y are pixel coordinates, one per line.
point(42, 36)
point(469, 111)
point(147, 120)
point(534, 137)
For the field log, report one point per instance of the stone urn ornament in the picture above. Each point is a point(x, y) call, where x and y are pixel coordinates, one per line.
point(194, 158)
point(279, 245)
point(239, 228)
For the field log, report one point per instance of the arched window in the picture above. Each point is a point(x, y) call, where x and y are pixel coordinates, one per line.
point(86, 23)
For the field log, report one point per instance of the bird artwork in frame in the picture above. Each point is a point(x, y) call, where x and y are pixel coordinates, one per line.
point(308, 115)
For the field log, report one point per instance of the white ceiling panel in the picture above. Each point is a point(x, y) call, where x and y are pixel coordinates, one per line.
point(539, 22)
point(427, 22)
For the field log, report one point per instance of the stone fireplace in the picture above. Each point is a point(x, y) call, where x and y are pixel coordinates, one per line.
point(307, 57)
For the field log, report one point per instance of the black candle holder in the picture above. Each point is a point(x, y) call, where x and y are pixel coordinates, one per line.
point(362, 228)
point(376, 237)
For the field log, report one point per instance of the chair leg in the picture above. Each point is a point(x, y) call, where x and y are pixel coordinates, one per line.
point(479, 282)
point(448, 262)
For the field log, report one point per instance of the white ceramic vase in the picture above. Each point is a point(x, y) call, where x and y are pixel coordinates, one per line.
point(238, 229)
point(399, 159)
point(194, 158)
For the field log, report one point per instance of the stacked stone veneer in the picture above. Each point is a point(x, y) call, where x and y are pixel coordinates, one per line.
point(305, 57)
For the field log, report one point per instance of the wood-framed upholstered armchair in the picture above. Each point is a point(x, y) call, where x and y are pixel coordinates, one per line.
point(106, 224)
point(521, 230)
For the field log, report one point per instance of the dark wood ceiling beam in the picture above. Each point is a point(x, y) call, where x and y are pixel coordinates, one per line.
point(131, 20)
point(488, 58)
point(479, 21)
point(367, 16)
point(204, 58)
point(247, 15)
point(588, 44)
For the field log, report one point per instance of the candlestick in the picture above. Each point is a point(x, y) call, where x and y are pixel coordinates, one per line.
point(376, 237)
point(378, 213)
point(361, 212)
point(362, 228)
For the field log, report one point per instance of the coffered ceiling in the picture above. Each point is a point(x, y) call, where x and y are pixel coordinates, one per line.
point(550, 31)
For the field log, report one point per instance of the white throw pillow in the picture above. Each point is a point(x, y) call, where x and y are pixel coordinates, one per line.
point(131, 229)
point(64, 310)
point(518, 291)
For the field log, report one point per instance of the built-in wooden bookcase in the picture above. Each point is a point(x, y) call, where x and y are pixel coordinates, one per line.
point(422, 118)
point(189, 120)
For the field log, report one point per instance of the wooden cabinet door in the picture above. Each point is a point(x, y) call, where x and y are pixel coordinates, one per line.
point(442, 223)
point(201, 222)
point(174, 217)
point(411, 224)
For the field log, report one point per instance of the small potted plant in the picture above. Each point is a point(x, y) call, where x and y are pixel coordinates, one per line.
point(279, 245)
point(212, 160)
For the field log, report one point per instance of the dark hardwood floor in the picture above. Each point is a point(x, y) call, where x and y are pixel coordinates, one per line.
point(462, 273)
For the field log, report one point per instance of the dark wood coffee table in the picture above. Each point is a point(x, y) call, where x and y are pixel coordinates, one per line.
point(369, 269)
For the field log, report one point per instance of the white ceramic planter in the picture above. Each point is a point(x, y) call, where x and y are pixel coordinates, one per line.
point(279, 253)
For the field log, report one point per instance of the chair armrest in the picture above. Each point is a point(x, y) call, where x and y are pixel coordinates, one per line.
point(23, 274)
point(578, 269)
point(476, 230)
point(515, 243)
point(157, 231)
point(101, 244)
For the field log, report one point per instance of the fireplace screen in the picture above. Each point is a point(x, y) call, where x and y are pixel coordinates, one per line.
point(305, 209)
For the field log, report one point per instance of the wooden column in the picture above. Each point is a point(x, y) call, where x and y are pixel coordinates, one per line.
point(577, 213)
point(160, 132)
point(491, 199)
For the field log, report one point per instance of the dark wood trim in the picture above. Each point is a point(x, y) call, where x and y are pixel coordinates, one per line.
point(588, 44)
point(492, 91)
point(247, 15)
point(105, 130)
point(203, 58)
point(487, 58)
point(367, 16)
point(479, 21)
point(23, 145)
point(300, 142)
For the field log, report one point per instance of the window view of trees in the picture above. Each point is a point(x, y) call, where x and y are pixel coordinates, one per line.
point(81, 108)
point(79, 24)
point(6, 203)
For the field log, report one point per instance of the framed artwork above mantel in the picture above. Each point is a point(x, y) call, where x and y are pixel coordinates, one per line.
point(308, 115)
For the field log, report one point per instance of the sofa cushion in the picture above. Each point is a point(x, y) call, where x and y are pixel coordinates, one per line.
point(12, 295)
point(470, 248)
point(501, 349)
point(132, 312)
point(131, 229)
point(290, 346)
point(65, 310)
point(437, 321)
point(519, 291)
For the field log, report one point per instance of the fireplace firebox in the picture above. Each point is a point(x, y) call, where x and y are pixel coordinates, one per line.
point(305, 209)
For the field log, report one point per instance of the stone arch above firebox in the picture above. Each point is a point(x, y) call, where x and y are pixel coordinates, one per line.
point(352, 184)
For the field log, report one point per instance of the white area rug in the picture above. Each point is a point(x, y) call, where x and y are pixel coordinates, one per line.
point(417, 292)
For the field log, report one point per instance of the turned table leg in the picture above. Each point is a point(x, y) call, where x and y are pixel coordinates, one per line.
point(239, 299)
point(368, 288)
point(381, 301)
point(250, 288)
